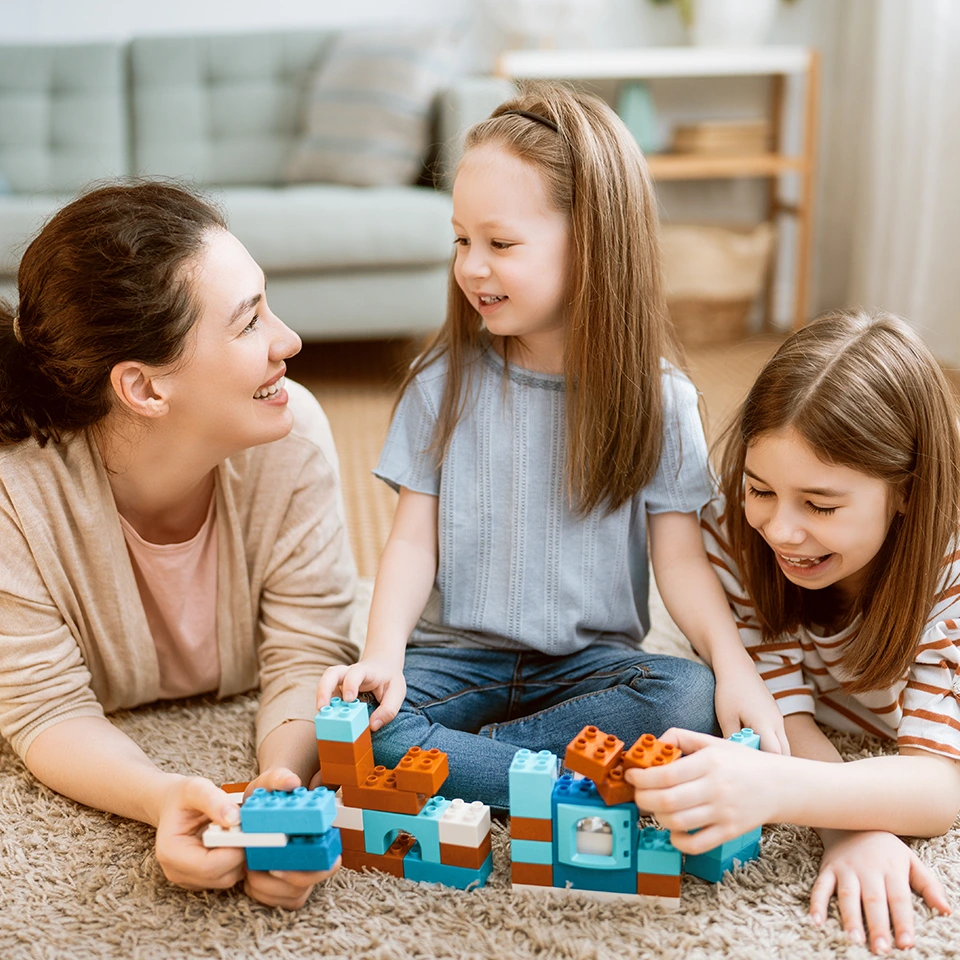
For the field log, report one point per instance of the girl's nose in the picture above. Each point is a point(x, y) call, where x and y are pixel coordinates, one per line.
point(783, 527)
point(475, 264)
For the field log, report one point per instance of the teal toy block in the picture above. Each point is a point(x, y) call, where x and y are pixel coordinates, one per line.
point(300, 811)
point(587, 878)
point(747, 737)
point(300, 853)
point(415, 868)
point(583, 792)
point(380, 828)
point(707, 868)
point(340, 721)
point(587, 848)
point(531, 851)
point(656, 854)
point(732, 847)
point(532, 776)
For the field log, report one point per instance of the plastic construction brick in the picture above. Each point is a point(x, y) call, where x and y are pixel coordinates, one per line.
point(531, 851)
point(532, 776)
point(217, 836)
point(301, 811)
point(527, 828)
point(648, 751)
point(747, 737)
point(380, 792)
point(235, 790)
point(333, 751)
point(349, 817)
point(349, 774)
point(531, 874)
point(604, 840)
point(473, 857)
point(613, 788)
point(593, 753)
point(415, 868)
point(352, 840)
point(300, 853)
point(568, 790)
point(380, 826)
point(389, 862)
point(465, 824)
point(658, 885)
point(733, 847)
point(586, 878)
point(712, 870)
point(422, 771)
point(342, 722)
point(656, 854)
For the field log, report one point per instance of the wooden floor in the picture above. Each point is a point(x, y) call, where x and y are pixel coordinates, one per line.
point(356, 385)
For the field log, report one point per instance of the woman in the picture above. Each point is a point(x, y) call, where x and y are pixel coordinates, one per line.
point(169, 513)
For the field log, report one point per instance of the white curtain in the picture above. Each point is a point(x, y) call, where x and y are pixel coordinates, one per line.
point(906, 226)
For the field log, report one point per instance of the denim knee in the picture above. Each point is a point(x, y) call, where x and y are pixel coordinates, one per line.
point(691, 702)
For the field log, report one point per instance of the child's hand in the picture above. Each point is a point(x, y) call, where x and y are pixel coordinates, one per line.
point(743, 700)
point(872, 874)
point(384, 678)
point(718, 788)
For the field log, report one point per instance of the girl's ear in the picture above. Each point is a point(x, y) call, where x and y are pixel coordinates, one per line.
point(140, 389)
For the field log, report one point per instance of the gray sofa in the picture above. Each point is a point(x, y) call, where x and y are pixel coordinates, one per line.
point(223, 112)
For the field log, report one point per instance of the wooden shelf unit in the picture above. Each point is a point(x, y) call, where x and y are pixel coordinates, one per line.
point(778, 63)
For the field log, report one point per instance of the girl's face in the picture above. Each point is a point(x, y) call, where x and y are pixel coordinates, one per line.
point(824, 523)
point(511, 246)
point(228, 392)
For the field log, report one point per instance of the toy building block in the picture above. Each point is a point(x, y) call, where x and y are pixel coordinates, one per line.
point(735, 846)
point(380, 792)
point(593, 753)
point(527, 828)
point(612, 847)
point(656, 854)
point(613, 788)
point(712, 870)
point(235, 790)
point(531, 851)
point(298, 812)
point(422, 771)
point(531, 874)
point(648, 751)
point(379, 828)
point(532, 776)
point(346, 774)
point(416, 868)
point(390, 861)
point(455, 855)
point(587, 879)
point(350, 818)
point(658, 885)
point(465, 824)
point(217, 836)
point(300, 853)
point(335, 751)
point(747, 737)
point(342, 722)
point(352, 840)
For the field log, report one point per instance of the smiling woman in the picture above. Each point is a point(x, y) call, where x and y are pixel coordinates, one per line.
point(169, 515)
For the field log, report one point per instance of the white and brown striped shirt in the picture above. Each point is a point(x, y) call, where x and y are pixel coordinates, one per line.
point(802, 669)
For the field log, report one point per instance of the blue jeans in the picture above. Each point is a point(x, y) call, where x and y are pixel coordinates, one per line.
point(481, 706)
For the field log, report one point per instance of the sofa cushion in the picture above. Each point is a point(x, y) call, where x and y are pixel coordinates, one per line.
point(327, 227)
point(21, 217)
point(367, 115)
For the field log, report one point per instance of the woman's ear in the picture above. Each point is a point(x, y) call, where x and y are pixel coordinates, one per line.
point(140, 389)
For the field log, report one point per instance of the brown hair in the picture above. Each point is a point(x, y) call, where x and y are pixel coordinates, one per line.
point(864, 392)
point(104, 281)
point(617, 324)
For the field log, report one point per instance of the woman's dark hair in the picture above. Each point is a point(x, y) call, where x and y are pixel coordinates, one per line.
point(106, 280)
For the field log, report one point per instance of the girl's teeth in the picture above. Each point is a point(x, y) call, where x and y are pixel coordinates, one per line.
point(804, 562)
point(489, 300)
point(269, 391)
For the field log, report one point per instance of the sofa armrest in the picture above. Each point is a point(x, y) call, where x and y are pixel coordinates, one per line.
point(467, 101)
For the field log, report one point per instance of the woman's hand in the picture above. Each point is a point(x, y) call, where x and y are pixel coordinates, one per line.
point(872, 874)
point(382, 677)
point(743, 700)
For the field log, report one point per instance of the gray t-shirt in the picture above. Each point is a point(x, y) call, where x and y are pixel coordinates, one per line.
point(518, 569)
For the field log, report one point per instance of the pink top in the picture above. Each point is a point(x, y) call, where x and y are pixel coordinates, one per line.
point(178, 588)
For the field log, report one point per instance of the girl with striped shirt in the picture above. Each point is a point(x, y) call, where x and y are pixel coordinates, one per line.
point(836, 542)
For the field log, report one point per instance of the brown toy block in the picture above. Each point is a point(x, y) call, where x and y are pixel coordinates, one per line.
point(472, 857)
point(657, 885)
point(235, 788)
point(389, 862)
point(593, 753)
point(352, 840)
point(422, 771)
point(648, 751)
point(331, 751)
point(614, 789)
point(350, 774)
point(535, 874)
point(380, 792)
point(529, 828)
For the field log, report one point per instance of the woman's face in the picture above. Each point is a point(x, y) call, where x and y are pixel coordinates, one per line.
point(228, 393)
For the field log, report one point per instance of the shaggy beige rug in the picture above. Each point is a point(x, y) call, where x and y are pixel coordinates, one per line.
point(75, 883)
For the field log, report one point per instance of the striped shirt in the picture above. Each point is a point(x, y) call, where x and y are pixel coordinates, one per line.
point(803, 672)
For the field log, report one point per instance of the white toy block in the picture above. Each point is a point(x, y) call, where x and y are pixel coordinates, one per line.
point(350, 818)
point(465, 824)
point(216, 836)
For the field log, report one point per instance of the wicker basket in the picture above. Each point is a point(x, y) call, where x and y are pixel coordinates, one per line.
point(713, 276)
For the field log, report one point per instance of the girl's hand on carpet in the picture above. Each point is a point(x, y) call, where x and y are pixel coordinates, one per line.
point(191, 803)
point(872, 874)
point(718, 788)
point(380, 676)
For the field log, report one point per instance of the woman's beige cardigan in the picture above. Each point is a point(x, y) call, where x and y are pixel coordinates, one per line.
point(74, 640)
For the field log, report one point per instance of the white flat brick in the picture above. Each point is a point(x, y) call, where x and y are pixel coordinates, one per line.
point(216, 836)
point(465, 824)
point(350, 818)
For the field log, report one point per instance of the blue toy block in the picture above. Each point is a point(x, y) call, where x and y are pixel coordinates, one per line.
point(300, 853)
point(301, 811)
point(531, 851)
point(414, 868)
point(532, 776)
point(707, 868)
point(656, 854)
point(342, 722)
point(747, 737)
point(732, 847)
point(380, 828)
point(622, 820)
point(582, 792)
point(586, 878)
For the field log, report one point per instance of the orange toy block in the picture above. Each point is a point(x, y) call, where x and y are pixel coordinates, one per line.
point(656, 885)
point(648, 751)
point(380, 792)
point(330, 751)
point(389, 862)
point(422, 771)
point(613, 788)
point(528, 828)
point(236, 790)
point(472, 857)
point(349, 774)
point(593, 753)
point(352, 840)
point(535, 874)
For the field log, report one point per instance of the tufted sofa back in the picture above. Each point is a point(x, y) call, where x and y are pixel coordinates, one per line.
point(220, 109)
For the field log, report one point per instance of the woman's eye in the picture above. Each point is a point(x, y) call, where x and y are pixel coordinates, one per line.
point(754, 492)
point(249, 327)
point(824, 511)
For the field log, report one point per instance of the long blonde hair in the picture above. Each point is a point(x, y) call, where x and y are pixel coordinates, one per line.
point(864, 392)
point(617, 324)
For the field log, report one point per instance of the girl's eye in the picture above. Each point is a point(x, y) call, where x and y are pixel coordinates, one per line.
point(500, 245)
point(249, 327)
point(761, 494)
point(823, 511)
point(461, 242)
